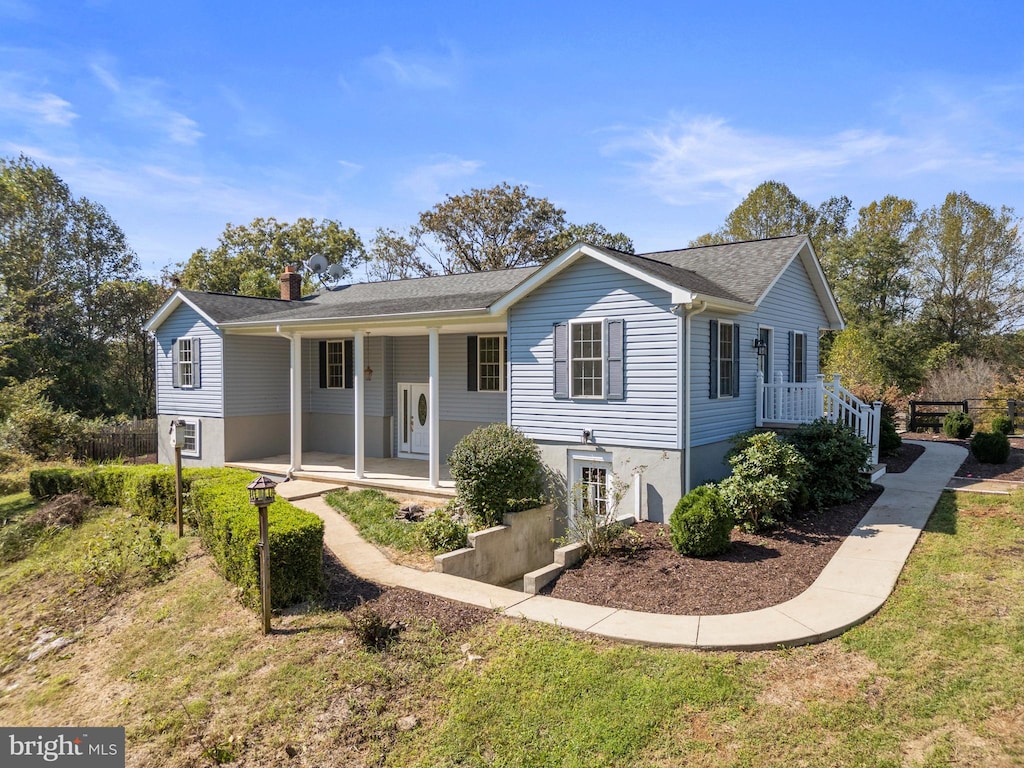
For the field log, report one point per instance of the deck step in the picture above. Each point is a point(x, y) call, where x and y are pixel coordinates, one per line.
point(876, 473)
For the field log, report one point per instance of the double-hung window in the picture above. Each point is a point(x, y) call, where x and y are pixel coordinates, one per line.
point(185, 363)
point(335, 365)
point(798, 356)
point(586, 353)
point(491, 357)
point(725, 359)
point(191, 431)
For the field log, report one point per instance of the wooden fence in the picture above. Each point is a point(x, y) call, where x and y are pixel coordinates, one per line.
point(929, 414)
point(127, 442)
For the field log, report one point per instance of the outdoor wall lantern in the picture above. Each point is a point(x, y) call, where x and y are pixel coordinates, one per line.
point(261, 496)
point(761, 346)
point(368, 373)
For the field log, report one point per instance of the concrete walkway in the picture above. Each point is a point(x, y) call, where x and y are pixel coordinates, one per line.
point(854, 584)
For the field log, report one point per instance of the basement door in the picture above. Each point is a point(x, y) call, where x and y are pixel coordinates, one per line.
point(414, 421)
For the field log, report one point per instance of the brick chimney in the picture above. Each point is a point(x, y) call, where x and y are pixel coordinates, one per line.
point(291, 284)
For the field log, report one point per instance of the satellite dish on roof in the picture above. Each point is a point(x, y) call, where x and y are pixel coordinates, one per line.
point(316, 264)
point(336, 271)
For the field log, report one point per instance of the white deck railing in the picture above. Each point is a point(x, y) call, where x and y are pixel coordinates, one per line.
point(789, 404)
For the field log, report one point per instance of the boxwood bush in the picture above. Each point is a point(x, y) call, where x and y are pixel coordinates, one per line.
point(497, 470)
point(1002, 424)
point(229, 530)
point(957, 425)
point(701, 523)
point(991, 447)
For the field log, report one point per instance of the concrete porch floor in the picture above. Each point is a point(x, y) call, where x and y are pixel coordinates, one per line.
point(410, 476)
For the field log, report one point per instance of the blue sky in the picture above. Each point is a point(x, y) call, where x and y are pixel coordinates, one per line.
point(652, 118)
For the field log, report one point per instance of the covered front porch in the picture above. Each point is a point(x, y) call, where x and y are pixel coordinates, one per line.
point(407, 476)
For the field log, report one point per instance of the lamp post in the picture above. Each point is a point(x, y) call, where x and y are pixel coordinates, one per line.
point(261, 496)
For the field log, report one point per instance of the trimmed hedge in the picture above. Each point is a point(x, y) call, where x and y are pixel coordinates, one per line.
point(229, 530)
point(1003, 424)
point(957, 425)
point(217, 503)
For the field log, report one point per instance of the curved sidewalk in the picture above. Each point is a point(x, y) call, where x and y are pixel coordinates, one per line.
point(854, 584)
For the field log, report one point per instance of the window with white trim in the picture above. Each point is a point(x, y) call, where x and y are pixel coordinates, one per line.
point(726, 359)
point(591, 484)
point(586, 358)
point(186, 362)
point(191, 432)
point(492, 353)
point(335, 365)
point(799, 357)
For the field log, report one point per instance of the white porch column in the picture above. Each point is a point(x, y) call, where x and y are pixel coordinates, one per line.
point(360, 411)
point(296, 404)
point(435, 407)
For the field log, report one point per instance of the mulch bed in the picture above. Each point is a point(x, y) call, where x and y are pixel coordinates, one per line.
point(758, 570)
point(1012, 470)
point(905, 456)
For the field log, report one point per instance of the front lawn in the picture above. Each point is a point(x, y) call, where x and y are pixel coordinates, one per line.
point(933, 679)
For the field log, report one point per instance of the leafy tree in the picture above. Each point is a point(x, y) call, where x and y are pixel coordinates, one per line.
point(971, 271)
point(595, 234)
point(55, 252)
point(251, 256)
point(394, 257)
point(873, 267)
point(485, 229)
point(773, 210)
point(126, 306)
point(854, 356)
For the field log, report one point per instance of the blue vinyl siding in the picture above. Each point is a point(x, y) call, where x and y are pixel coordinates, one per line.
point(341, 401)
point(207, 399)
point(791, 305)
point(257, 377)
point(649, 414)
point(412, 365)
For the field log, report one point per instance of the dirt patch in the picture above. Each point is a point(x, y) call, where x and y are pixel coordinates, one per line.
point(822, 672)
point(758, 571)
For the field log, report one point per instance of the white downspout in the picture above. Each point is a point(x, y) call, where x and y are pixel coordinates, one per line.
point(687, 429)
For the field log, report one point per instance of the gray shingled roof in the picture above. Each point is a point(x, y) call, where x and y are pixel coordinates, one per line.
point(743, 270)
point(443, 293)
point(225, 307)
point(738, 272)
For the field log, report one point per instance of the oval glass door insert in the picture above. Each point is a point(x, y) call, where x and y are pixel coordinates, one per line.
point(421, 409)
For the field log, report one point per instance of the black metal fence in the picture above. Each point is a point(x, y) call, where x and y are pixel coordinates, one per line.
point(121, 442)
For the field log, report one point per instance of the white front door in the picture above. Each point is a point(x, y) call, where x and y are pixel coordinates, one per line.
point(414, 420)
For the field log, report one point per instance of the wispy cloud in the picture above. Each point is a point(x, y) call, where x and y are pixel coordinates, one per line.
point(429, 183)
point(33, 106)
point(137, 99)
point(417, 71)
point(953, 131)
point(349, 169)
point(689, 160)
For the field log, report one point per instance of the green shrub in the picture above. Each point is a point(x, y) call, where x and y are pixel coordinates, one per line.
point(148, 490)
point(889, 440)
point(957, 425)
point(1002, 424)
point(701, 523)
point(442, 533)
point(497, 470)
point(835, 458)
point(51, 482)
point(33, 425)
point(767, 481)
point(229, 530)
point(991, 447)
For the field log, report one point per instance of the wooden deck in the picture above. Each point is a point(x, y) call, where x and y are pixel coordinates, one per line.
point(409, 476)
